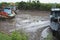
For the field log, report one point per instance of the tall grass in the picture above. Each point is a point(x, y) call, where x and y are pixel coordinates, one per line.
point(13, 36)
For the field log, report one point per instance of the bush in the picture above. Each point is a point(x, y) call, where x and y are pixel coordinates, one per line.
point(22, 5)
point(36, 6)
point(4, 37)
point(33, 5)
point(7, 4)
point(13, 36)
point(28, 5)
point(46, 7)
point(18, 36)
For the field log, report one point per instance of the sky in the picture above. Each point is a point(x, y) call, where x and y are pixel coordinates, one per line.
point(42, 1)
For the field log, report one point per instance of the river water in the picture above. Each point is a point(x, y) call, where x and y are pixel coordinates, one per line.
point(33, 25)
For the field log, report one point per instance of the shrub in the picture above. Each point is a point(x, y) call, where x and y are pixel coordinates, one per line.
point(36, 6)
point(33, 5)
point(4, 37)
point(18, 36)
point(22, 5)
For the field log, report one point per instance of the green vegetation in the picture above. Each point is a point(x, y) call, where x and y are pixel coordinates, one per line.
point(4, 3)
point(33, 5)
point(13, 36)
point(49, 37)
point(4, 37)
point(18, 36)
point(36, 6)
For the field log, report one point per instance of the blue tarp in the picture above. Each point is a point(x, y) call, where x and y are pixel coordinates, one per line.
point(7, 10)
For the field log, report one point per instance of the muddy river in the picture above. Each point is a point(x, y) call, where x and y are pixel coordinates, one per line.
point(32, 22)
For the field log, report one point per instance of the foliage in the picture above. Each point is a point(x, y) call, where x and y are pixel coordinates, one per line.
point(33, 5)
point(36, 6)
point(18, 36)
point(22, 5)
point(4, 37)
point(28, 5)
point(13, 36)
point(4, 3)
point(46, 7)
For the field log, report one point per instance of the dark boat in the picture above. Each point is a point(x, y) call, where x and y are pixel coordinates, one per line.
point(55, 22)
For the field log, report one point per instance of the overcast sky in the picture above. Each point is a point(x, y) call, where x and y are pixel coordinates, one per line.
point(42, 1)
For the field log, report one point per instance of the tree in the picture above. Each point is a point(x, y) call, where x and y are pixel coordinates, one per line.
point(30, 1)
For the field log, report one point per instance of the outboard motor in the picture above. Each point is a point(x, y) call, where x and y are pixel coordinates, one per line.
point(55, 21)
